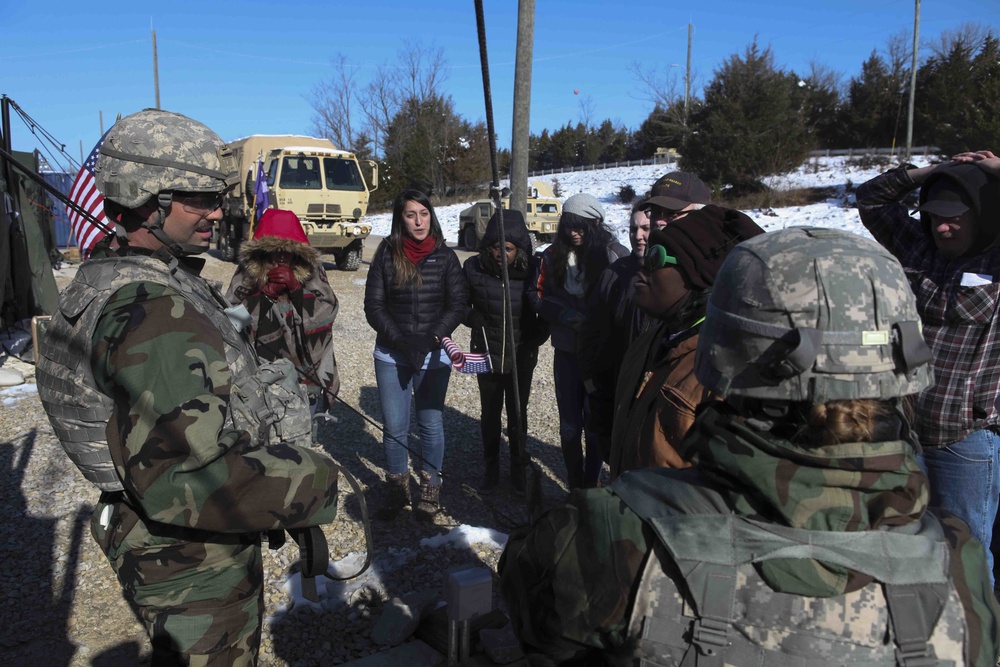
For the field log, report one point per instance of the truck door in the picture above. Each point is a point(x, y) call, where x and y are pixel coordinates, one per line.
point(347, 196)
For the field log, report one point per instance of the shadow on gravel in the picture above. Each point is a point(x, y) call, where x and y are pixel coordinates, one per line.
point(356, 448)
point(34, 619)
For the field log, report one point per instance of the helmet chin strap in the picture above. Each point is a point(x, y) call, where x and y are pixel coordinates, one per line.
point(163, 201)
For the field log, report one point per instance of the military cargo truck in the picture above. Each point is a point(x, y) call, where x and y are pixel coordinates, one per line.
point(323, 186)
point(541, 216)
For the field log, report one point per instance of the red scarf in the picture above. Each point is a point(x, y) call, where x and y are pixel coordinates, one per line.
point(417, 250)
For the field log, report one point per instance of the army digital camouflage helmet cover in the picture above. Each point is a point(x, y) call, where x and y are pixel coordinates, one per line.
point(810, 314)
point(156, 151)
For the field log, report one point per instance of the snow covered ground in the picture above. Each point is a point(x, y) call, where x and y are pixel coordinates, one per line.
point(834, 172)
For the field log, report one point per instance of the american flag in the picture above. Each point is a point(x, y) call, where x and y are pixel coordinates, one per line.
point(467, 362)
point(85, 194)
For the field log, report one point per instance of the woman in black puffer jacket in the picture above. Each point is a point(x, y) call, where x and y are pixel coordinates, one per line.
point(414, 297)
point(487, 319)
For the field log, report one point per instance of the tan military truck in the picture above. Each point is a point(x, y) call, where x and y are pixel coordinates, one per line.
point(323, 186)
point(541, 216)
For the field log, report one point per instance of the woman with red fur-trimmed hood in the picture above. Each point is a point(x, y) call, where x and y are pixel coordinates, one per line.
point(281, 281)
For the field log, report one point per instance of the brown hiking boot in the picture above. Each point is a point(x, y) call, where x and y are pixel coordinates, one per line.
point(429, 503)
point(397, 496)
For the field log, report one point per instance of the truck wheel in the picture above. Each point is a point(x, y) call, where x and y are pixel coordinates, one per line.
point(533, 237)
point(349, 259)
point(226, 247)
point(469, 237)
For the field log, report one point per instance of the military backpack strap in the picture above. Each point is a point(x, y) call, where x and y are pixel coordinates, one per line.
point(713, 589)
point(914, 611)
point(314, 555)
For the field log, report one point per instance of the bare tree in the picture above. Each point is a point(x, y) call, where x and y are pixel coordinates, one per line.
point(899, 54)
point(333, 103)
point(423, 70)
point(662, 88)
point(352, 112)
point(380, 101)
point(969, 37)
point(825, 78)
point(587, 111)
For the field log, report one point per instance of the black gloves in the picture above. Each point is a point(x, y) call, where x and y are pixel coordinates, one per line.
point(416, 346)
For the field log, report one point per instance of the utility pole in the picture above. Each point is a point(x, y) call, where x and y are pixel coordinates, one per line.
point(156, 74)
point(913, 79)
point(522, 106)
point(687, 76)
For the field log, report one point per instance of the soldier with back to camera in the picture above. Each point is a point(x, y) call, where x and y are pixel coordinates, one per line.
point(155, 392)
point(801, 536)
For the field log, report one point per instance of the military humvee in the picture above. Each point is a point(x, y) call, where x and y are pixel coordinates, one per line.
point(323, 186)
point(541, 216)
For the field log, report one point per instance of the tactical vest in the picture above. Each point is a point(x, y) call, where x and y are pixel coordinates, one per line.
point(265, 401)
point(701, 601)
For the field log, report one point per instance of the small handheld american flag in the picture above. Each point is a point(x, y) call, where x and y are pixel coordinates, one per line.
point(467, 362)
point(85, 194)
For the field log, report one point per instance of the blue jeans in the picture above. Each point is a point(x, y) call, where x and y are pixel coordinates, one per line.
point(396, 384)
point(574, 413)
point(965, 481)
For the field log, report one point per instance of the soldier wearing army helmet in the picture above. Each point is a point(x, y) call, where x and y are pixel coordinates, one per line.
point(155, 393)
point(802, 535)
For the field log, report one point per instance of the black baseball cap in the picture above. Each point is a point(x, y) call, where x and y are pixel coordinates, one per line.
point(677, 190)
point(946, 199)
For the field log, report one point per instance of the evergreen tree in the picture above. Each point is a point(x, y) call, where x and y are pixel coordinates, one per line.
point(663, 128)
point(752, 123)
point(958, 98)
point(430, 148)
point(873, 115)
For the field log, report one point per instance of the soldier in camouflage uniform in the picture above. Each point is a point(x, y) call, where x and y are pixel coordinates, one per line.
point(802, 535)
point(155, 392)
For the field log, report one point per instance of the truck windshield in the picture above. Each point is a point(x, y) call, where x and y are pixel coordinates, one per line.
point(300, 173)
point(342, 174)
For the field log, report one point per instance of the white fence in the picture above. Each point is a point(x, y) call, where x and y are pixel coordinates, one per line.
point(828, 152)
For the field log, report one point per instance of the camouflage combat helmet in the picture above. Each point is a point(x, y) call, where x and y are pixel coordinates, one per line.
point(810, 314)
point(154, 153)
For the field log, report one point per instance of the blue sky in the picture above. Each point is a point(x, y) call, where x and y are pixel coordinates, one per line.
point(248, 67)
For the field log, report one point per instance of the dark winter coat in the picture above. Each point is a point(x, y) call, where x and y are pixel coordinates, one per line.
point(613, 323)
point(487, 298)
point(436, 306)
point(564, 312)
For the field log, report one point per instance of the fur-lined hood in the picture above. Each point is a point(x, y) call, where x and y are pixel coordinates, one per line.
point(256, 258)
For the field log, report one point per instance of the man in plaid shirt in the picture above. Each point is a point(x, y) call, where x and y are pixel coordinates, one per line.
point(952, 259)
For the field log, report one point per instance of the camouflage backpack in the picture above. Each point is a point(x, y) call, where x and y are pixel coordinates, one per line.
point(701, 601)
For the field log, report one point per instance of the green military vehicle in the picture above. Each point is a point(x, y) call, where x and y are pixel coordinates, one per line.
point(323, 186)
point(541, 216)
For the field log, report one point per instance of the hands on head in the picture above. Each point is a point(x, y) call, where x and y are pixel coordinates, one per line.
point(985, 160)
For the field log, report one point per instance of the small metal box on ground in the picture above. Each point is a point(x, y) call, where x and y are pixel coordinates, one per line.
point(468, 592)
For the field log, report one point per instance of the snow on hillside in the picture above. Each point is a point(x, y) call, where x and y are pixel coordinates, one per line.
point(833, 172)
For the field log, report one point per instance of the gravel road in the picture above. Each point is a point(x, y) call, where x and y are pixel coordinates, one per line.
point(63, 605)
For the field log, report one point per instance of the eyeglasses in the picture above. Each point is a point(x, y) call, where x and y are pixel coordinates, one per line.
point(657, 258)
point(659, 213)
point(199, 202)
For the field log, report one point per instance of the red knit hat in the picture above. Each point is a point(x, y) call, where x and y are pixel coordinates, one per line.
point(282, 224)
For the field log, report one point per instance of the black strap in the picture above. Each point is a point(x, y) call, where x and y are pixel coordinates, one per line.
point(160, 162)
point(911, 345)
point(314, 556)
point(914, 611)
